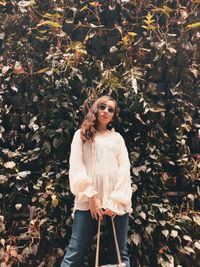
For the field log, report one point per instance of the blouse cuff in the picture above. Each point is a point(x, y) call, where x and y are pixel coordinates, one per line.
point(90, 192)
point(119, 197)
point(87, 193)
point(115, 206)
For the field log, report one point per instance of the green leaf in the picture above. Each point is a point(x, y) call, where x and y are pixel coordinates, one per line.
point(56, 142)
point(47, 147)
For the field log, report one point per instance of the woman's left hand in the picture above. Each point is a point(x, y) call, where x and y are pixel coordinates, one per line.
point(110, 213)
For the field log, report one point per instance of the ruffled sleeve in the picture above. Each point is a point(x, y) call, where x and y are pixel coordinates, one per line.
point(80, 183)
point(120, 197)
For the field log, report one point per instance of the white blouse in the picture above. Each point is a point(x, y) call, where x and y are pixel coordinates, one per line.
point(101, 168)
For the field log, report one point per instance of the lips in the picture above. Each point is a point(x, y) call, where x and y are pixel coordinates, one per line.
point(104, 117)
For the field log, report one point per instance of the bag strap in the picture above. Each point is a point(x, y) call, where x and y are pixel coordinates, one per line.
point(98, 243)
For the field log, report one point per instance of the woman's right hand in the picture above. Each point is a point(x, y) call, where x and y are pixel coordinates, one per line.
point(95, 208)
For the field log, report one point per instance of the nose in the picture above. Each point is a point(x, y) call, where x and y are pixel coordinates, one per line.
point(105, 110)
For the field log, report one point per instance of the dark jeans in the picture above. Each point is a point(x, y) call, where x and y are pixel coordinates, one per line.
point(83, 230)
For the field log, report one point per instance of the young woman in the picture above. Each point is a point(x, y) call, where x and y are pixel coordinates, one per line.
point(99, 178)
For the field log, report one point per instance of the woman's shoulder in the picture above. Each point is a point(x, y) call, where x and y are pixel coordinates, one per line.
point(117, 135)
point(78, 131)
point(77, 134)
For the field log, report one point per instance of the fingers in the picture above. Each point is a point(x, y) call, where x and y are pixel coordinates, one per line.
point(100, 213)
point(92, 214)
point(97, 213)
point(95, 208)
point(110, 213)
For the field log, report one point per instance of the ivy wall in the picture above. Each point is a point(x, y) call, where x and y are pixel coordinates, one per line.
point(56, 57)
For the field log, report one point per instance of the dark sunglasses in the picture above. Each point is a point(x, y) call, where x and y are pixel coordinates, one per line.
point(104, 106)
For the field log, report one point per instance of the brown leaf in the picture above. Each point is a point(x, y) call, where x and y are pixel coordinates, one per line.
point(18, 69)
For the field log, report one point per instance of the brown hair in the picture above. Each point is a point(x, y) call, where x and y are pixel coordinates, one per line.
point(88, 127)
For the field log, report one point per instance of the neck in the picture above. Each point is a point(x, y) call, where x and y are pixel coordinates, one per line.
point(101, 128)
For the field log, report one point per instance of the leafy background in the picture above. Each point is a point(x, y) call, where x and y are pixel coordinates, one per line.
point(56, 54)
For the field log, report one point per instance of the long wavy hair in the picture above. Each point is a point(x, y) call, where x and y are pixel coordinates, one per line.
point(89, 125)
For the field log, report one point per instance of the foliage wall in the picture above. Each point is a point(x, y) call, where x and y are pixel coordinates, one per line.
point(56, 54)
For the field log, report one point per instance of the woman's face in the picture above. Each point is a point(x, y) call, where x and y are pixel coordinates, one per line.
point(106, 111)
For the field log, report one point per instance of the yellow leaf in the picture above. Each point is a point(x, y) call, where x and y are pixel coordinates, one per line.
point(193, 25)
point(54, 201)
point(42, 70)
point(167, 10)
point(149, 27)
point(43, 201)
point(50, 24)
point(89, 36)
point(95, 4)
point(149, 21)
point(32, 2)
point(53, 16)
point(156, 9)
point(149, 16)
point(125, 40)
point(2, 3)
point(42, 31)
point(186, 126)
point(152, 27)
point(83, 8)
point(81, 51)
point(132, 34)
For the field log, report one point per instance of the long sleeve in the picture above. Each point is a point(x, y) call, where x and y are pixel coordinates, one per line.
point(122, 193)
point(80, 183)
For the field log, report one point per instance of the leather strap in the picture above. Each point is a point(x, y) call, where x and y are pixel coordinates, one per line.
point(98, 243)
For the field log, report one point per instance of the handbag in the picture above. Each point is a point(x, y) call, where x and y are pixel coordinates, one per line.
point(120, 263)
